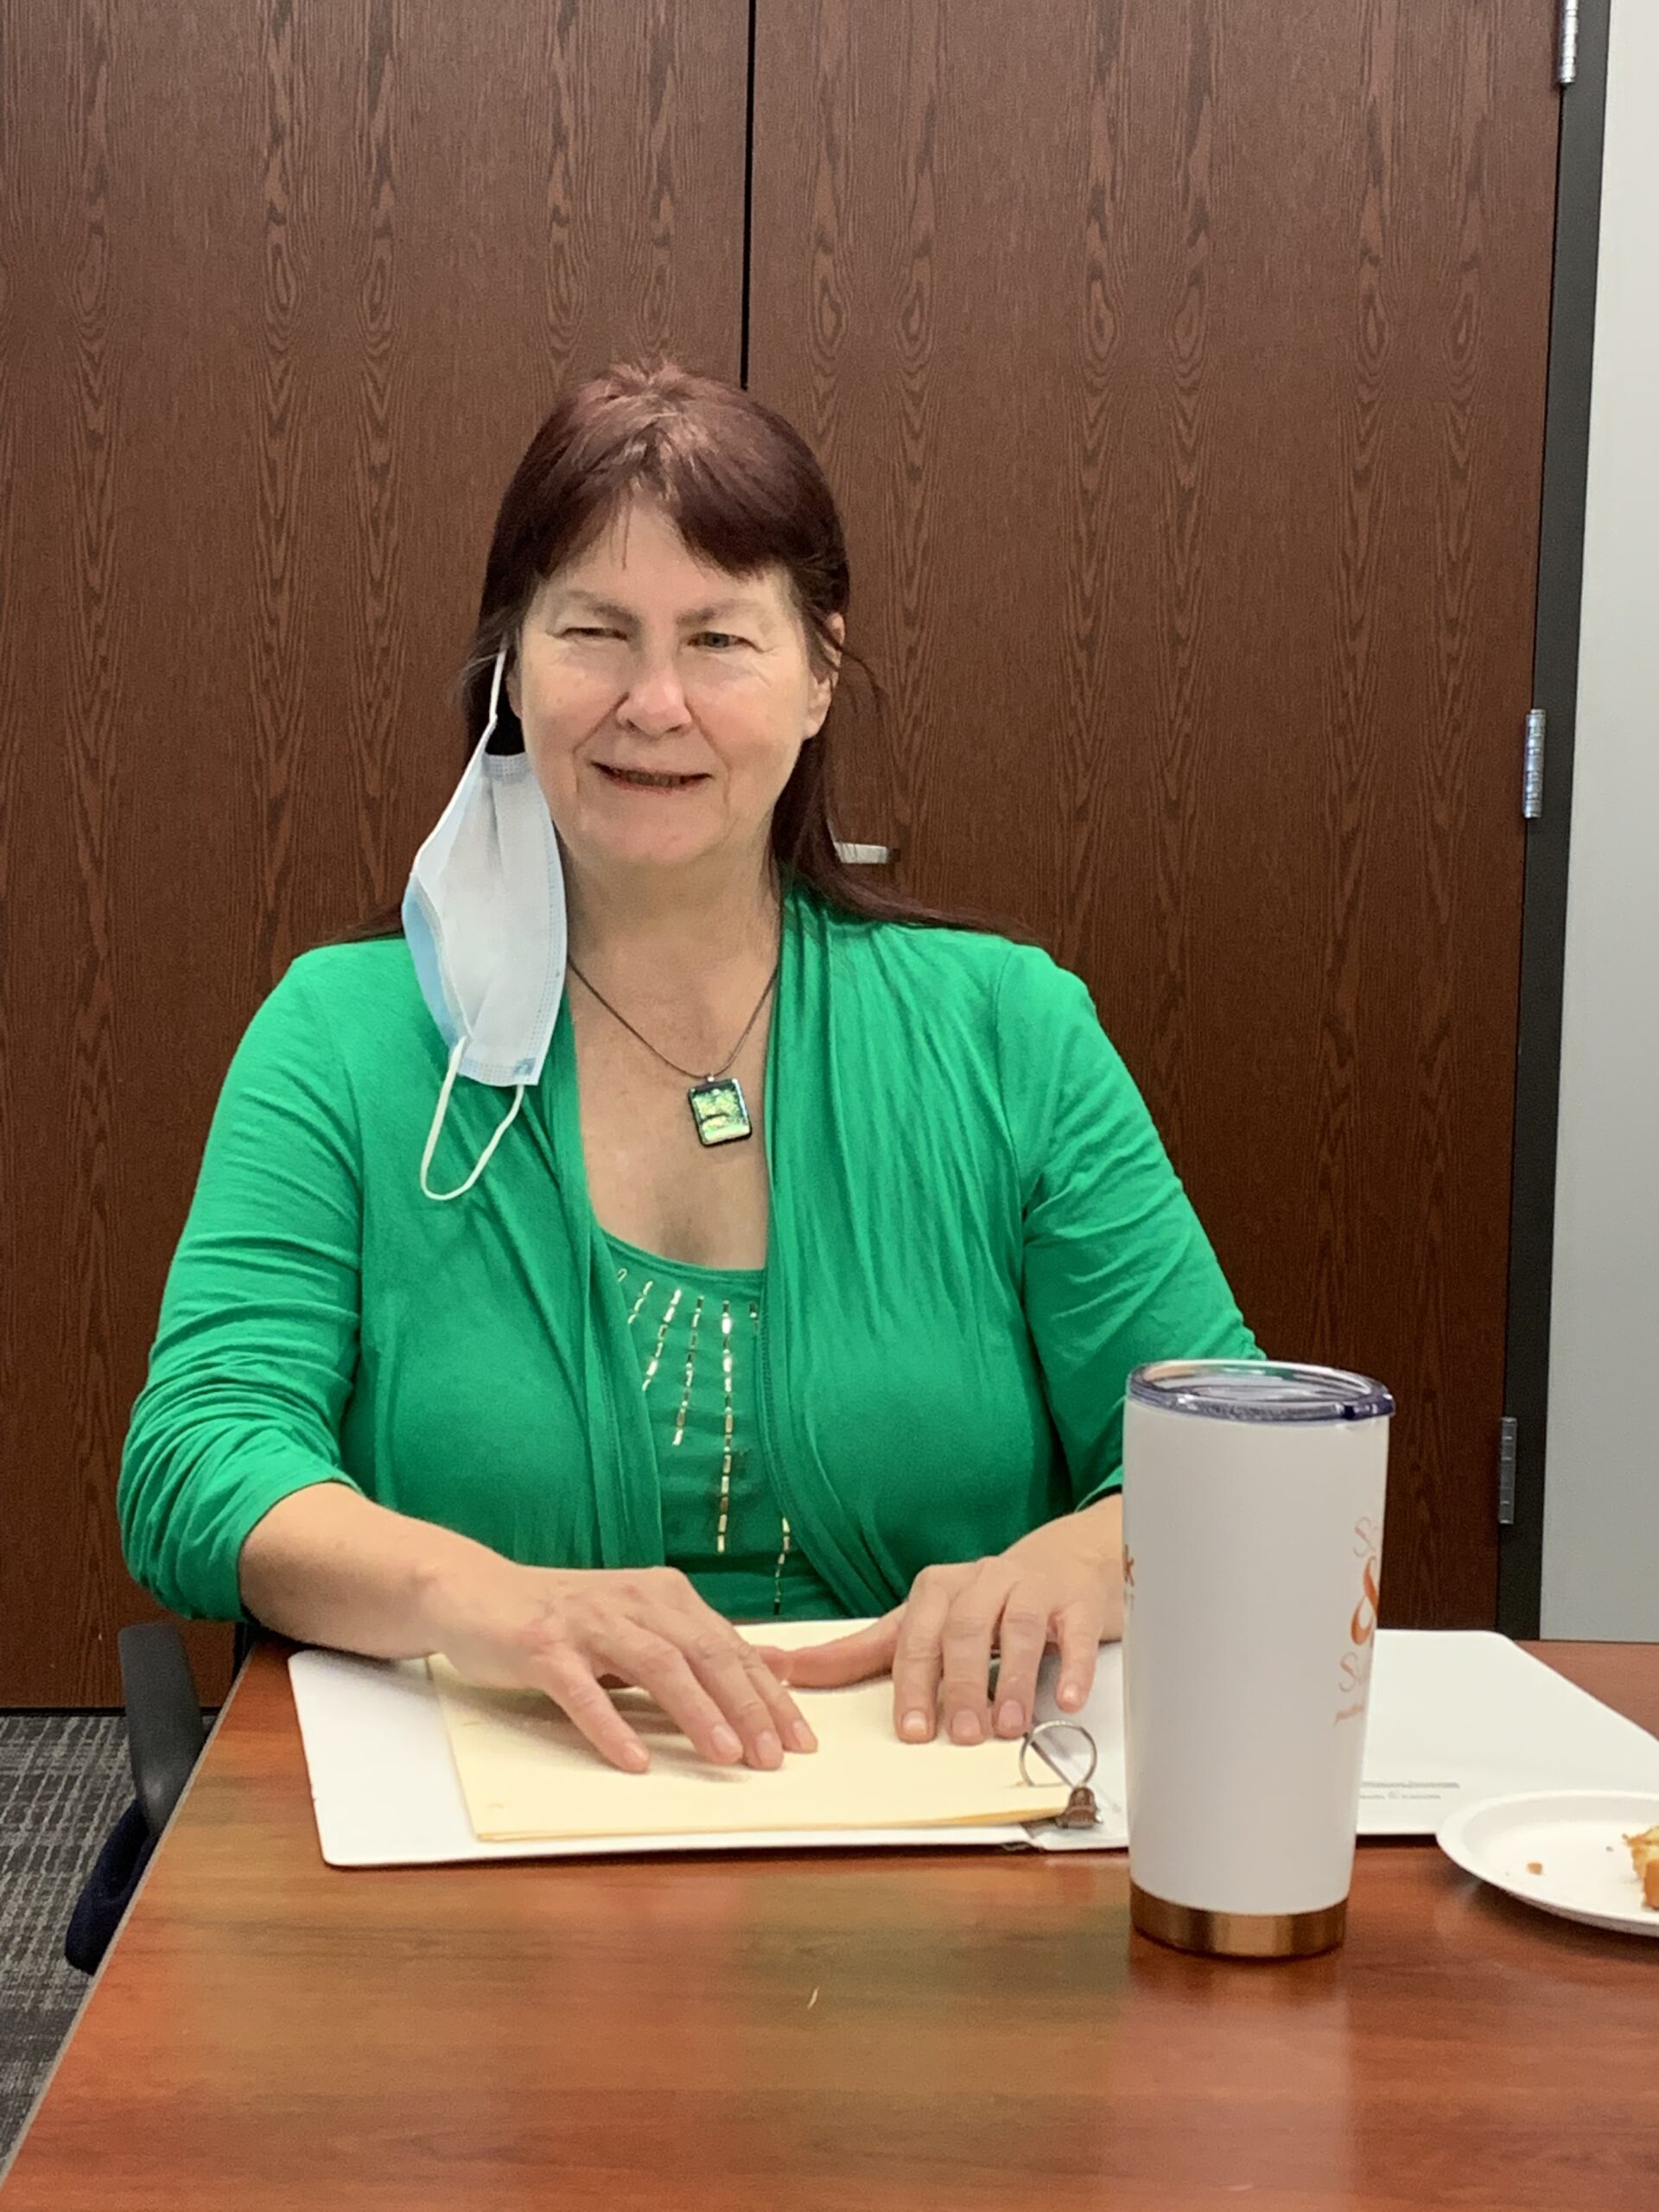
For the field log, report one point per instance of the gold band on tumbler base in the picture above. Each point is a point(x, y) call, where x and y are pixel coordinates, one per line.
point(1238, 1935)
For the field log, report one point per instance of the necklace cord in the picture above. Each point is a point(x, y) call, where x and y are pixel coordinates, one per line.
point(691, 1074)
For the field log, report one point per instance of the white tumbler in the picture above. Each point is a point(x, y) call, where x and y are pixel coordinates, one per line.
point(1253, 1497)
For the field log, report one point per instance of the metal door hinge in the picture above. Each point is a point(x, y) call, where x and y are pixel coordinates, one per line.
point(864, 855)
point(1566, 47)
point(1532, 774)
point(1507, 1434)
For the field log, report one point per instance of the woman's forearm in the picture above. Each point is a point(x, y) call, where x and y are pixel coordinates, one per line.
point(327, 1565)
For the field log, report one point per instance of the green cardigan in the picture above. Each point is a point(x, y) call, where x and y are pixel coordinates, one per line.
point(976, 1234)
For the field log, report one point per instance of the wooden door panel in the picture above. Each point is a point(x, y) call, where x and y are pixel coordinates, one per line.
point(1180, 370)
point(283, 292)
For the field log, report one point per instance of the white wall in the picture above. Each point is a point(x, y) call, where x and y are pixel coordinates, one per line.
point(1601, 1521)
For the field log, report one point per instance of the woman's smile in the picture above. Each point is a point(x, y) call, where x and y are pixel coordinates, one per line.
point(647, 779)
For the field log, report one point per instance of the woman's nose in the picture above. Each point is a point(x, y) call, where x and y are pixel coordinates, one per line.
point(655, 701)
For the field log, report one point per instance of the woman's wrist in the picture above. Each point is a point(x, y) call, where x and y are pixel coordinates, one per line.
point(1093, 1535)
point(454, 1577)
point(1101, 1526)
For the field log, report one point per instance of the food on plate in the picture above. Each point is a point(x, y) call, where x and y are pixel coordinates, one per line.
point(1535, 1865)
point(1645, 1854)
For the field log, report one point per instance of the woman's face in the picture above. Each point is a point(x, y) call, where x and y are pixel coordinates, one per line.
point(663, 702)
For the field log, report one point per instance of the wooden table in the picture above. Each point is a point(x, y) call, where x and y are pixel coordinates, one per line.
point(942, 2032)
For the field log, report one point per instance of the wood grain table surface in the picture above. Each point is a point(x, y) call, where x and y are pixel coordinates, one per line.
point(941, 2031)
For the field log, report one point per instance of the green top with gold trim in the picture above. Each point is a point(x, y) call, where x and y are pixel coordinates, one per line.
point(696, 1335)
point(974, 1235)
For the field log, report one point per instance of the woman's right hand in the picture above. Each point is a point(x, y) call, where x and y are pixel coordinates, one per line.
point(568, 1631)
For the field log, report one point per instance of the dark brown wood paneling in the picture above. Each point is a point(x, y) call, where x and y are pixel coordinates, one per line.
point(283, 292)
point(1181, 372)
point(963, 2030)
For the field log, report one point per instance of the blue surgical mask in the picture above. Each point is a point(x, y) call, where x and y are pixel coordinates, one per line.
point(485, 917)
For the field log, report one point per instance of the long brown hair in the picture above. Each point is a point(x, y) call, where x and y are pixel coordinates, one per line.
point(745, 490)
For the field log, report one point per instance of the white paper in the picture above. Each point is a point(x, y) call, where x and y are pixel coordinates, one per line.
point(1461, 1715)
point(1456, 1716)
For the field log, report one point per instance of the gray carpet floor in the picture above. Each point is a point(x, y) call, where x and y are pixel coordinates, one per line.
point(64, 1782)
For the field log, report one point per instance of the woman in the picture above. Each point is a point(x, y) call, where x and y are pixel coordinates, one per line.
point(765, 1250)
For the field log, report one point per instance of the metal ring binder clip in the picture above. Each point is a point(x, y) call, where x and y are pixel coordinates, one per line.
point(1081, 1810)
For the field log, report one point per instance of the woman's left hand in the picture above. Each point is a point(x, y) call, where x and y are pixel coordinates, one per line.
point(1063, 1584)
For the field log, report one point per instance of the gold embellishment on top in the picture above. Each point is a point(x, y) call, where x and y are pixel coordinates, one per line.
point(777, 1573)
point(725, 1462)
point(640, 1300)
point(690, 1363)
point(784, 1531)
point(655, 1357)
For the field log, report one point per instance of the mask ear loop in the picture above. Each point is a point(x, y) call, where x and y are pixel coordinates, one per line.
point(442, 1197)
point(495, 696)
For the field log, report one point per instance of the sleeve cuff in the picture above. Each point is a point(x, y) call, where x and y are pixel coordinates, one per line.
point(1112, 1487)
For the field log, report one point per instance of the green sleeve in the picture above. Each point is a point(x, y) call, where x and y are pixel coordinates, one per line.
point(256, 1346)
point(1117, 1269)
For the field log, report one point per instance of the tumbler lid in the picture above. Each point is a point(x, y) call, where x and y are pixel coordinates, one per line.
point(1258, 1390)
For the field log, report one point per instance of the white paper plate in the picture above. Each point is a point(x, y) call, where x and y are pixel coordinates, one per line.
point(1575, 1838)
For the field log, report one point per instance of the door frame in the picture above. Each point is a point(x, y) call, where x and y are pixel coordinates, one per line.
point(1543, 930)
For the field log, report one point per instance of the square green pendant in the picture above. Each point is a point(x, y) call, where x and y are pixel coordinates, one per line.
point(718, 1111)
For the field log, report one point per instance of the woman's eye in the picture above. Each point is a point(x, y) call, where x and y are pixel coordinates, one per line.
point(577, 630)
point(717, 637)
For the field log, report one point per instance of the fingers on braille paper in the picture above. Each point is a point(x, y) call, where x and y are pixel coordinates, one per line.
point(569, 1681)
point(1081, 1627)
point(663, 1671)
point(858, 1657)
point(917, 1660)
point(1022, 1638)
point(965, 1691)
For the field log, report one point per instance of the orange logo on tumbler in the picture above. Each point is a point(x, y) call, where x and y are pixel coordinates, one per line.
point(1362, 1627)
point(1355, 1671)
